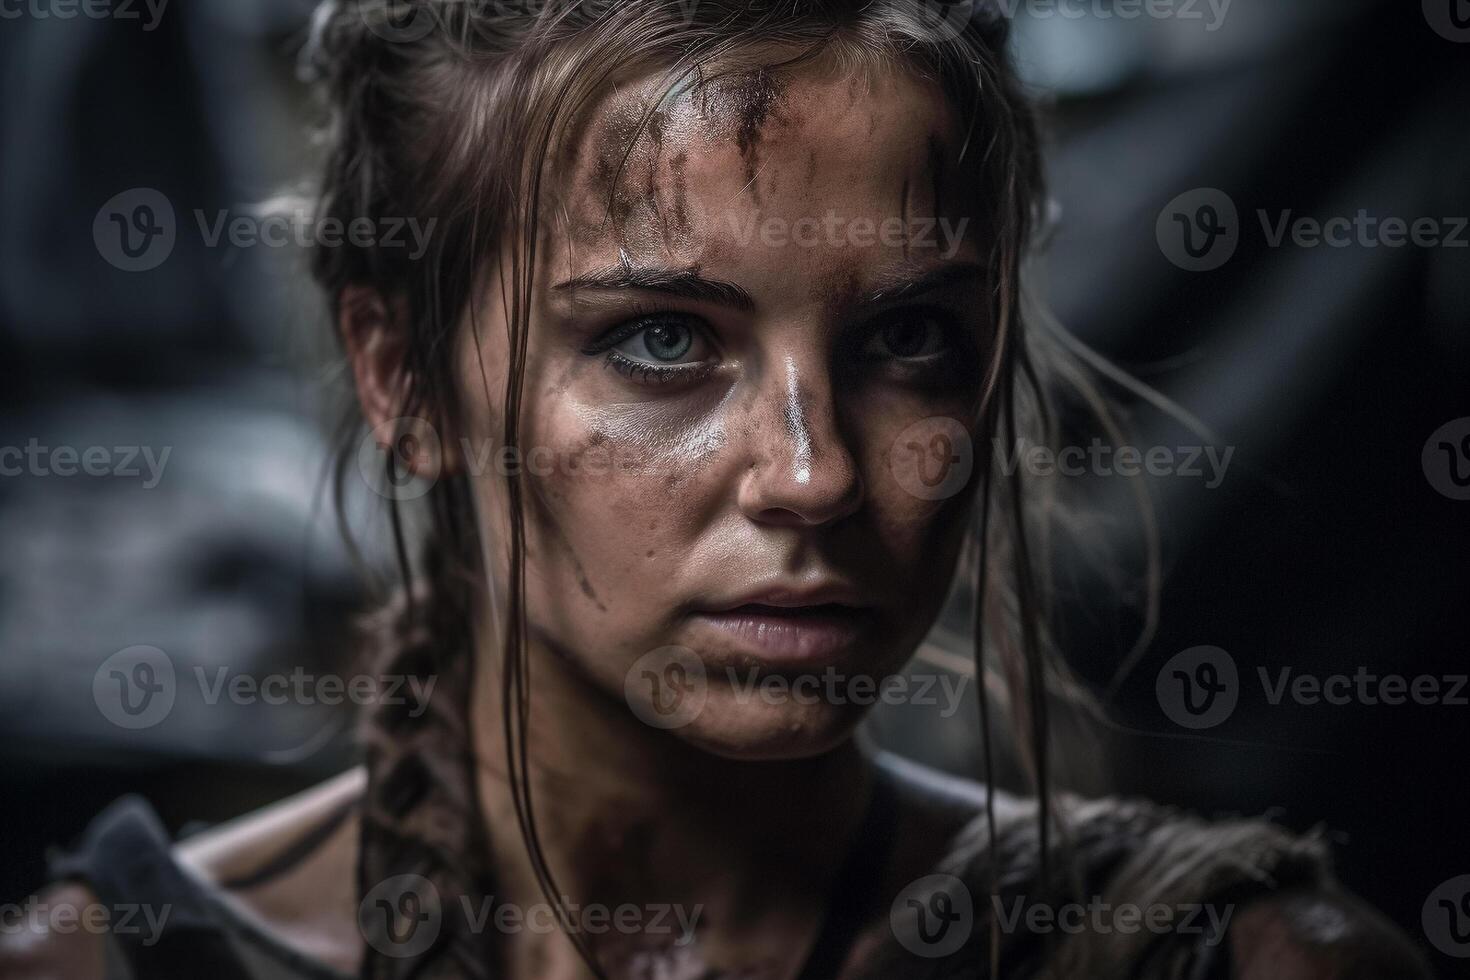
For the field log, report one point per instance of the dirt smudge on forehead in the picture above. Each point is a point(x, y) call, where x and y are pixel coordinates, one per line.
point(626, 161)
point(754, 100)
point(625, 188)
point(741, 106)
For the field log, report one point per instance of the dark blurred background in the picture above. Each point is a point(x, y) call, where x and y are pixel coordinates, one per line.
point(1333, 544)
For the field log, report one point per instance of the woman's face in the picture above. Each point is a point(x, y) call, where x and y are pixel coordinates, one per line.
point(756, 345)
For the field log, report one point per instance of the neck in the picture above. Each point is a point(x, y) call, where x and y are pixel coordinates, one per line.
point(626, 813)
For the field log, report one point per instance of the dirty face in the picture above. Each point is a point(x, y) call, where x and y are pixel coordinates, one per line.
point(738, 324)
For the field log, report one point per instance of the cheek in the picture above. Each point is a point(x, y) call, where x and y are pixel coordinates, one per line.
point(920, 468)
point(619, 497)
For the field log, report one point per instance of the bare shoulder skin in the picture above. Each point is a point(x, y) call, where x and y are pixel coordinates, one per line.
point(41, 954)
point(1321, 936)
point(309, 906)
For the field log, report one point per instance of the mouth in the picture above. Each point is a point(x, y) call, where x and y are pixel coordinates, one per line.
point(800, 629)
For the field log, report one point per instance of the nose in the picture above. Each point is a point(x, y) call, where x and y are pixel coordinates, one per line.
point(801, 472)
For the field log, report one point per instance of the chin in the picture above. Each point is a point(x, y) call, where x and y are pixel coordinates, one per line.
point(771, 733)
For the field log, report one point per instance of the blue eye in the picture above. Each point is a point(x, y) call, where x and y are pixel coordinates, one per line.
point(658, 348)
point(662, 341)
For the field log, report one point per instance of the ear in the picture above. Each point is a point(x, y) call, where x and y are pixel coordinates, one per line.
point(376, 340)
point(374, 332)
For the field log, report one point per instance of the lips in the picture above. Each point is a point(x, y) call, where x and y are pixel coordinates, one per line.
point(797, 626)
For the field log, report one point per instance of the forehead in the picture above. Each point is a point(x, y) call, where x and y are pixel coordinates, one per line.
point(718, 173)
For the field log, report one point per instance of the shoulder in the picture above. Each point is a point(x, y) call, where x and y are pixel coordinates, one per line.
point(42, 944)
point(1288, 918)
point(285, 871)
point(289, 869)
point(1320, 934)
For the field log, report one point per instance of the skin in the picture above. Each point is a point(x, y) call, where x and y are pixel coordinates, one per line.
point(765, 463)
point(769, 464)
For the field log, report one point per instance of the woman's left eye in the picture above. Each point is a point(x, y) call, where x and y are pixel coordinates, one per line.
point(911, 337)
point(664, 341)
point(658, 348)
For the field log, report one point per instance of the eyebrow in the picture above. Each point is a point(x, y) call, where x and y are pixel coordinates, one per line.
point(686, 283)
point(907, 286)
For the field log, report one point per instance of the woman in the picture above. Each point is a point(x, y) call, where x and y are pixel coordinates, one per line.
point(720, 316)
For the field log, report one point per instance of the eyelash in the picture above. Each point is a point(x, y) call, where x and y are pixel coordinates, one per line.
point(641, 372)
point(639, 319)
